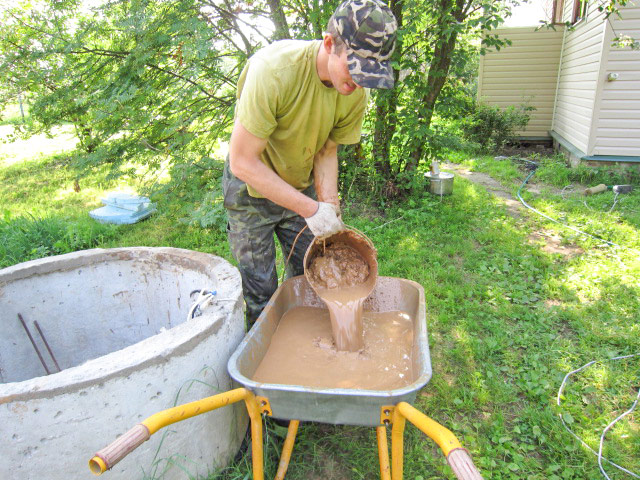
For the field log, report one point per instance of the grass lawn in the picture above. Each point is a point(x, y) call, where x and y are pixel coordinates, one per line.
point(507, 316)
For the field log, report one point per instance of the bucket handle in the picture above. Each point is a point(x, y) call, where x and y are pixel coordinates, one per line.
point(364, 235)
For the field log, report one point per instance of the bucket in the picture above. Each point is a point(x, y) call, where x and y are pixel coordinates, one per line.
point(440, 184)
point(356, 240)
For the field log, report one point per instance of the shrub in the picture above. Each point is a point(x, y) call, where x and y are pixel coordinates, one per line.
point(211, 212)
point(491, 127)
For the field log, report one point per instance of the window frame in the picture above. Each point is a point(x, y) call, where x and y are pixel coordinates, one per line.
point(580, 9)
point(558, 12)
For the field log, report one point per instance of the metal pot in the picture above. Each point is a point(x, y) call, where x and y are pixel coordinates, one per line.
point(440, 184)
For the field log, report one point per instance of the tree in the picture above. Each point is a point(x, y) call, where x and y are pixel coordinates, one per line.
point(141, 81)
point(433, 34)
point(153, 82)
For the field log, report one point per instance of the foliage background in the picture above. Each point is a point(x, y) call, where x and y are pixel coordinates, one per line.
point(148, 82)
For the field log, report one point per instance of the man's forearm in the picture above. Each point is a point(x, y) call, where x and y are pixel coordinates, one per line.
point(266, 182)
point(245, 163)
point(325, 173)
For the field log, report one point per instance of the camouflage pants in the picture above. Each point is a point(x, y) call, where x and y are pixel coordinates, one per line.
point(252, 223)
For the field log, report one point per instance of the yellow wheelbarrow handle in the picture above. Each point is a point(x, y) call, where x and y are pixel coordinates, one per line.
point(106, 458)
point(457, 457)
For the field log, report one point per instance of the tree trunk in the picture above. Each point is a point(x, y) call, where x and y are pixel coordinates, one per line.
point(445, 44)
point(386, 114)
point(21, 109)
point(436, 79)
point(385, 123)
point(279, 20)
point(318, 27)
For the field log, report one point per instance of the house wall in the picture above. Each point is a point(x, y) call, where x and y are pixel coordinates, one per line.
point(524, 72)
point(616, 128)
point(578, 76)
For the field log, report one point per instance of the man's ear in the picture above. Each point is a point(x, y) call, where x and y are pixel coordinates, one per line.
point(327, 43)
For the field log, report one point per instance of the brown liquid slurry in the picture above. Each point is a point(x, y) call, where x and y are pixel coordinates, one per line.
point(302, 352)
point(339, 276)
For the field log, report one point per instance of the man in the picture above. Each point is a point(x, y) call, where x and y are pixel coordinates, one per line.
point(297, 101)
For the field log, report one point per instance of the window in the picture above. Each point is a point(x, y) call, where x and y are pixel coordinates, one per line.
point(579, 10)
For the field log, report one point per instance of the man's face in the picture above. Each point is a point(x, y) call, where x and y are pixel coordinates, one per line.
point(339, 73)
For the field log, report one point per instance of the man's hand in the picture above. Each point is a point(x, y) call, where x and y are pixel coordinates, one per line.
point(325, 221)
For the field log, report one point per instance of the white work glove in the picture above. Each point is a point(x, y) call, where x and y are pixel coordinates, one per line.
point(325, 221)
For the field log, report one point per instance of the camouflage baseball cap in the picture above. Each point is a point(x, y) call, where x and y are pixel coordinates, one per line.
point(368, 28)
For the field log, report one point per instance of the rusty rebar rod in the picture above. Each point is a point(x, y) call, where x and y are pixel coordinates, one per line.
point(35, 347)
point(35, 322)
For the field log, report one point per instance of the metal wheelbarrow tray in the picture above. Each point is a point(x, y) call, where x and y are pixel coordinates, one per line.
point(332, 405)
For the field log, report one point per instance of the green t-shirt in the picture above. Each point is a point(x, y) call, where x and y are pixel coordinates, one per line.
point(281, 98)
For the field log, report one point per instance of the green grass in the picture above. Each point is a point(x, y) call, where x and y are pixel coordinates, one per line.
point(26, 237)
point(47, 188)
point(507, 318)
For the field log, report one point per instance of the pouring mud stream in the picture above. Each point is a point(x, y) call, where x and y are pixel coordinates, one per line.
point(343, 270)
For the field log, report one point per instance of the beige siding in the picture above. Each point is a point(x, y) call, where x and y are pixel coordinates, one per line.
point(578, 76)
point(524, 72)
point(616, 129)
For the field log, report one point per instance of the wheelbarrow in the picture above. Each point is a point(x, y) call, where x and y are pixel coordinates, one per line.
point(296, 403)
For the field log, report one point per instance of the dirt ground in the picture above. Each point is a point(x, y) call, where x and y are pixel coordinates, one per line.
point(527, 150)
point(549, 241)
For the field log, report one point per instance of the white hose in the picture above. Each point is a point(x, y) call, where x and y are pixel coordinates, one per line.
point(205, 297)
point(607, 428)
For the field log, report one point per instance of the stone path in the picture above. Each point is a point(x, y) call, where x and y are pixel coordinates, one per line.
point(514, 207)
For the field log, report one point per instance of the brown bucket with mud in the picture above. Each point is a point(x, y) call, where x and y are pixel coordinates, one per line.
point(342, 269)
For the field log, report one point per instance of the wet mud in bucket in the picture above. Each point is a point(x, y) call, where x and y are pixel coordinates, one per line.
point(343, 269)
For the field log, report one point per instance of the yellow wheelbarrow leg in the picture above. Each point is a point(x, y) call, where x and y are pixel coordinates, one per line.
point(257, 457)
point(397, 445)
point(383, 453)
point(287, 449)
